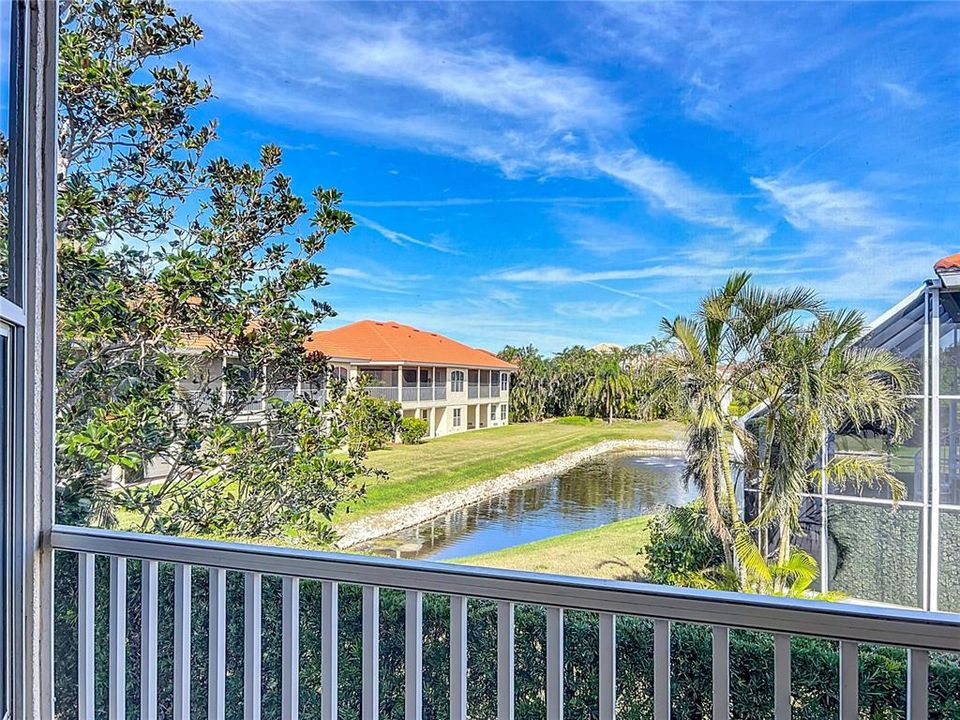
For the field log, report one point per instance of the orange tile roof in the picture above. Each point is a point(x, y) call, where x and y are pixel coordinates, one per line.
point(951, 262)
point(395, 343)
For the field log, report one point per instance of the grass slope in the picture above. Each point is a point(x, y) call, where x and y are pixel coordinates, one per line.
point(454, 462)
point(608, 551)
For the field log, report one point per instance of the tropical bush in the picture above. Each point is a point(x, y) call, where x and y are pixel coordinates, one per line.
point(883, 670)
point(413, 430)
point(602, 383)
point(680, 544)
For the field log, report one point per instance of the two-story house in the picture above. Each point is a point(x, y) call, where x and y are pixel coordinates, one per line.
point(454, 387)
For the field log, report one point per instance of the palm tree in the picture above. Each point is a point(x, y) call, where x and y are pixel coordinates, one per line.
point(816, 380)
point(610, 386)
point(718, 354)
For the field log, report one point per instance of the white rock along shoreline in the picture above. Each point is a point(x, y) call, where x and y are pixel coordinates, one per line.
point(407, 516)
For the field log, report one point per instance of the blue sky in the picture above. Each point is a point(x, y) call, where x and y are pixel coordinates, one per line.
point(558, 174)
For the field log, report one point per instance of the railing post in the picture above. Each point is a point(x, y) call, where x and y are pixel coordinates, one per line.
point(149, 594)
point(329, 633)
point(217, 644)
point(849, 681)
point(252, 644)
point(721, 673)
point(413, 662)
point(505, 661)
point(290, 650)
point(781, 677)
point(370, 706)
point(554, 663)
point(182, 588)
point(86, 566)
point(117, 692)
point(608, 666)
point(458, 657)
point(661, 669)
point(918, 694)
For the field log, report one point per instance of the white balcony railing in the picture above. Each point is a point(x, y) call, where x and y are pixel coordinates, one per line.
point(384, 393)
point(849, 625)
point(472, 390)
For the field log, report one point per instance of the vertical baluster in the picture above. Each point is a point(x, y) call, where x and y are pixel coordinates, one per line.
point(217, 646)
point(918, 668)
point(661, 669)
point(149, 593)
point(608, 666)
point(370, 707)
point(413, 663)
point(554, 663)
point(329, 614)
point(458, 657)
point(182, 588)
point(86, 565)
point(849, 681)
point(290, 650)
point(505, 657)
point(721, 673)
point(781, 677)
point(117, 690)
point(252, 654)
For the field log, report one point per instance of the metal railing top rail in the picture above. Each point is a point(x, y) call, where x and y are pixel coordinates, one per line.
point(834, 621)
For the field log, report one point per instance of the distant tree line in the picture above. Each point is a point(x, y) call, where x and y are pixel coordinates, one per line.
point(608, 383)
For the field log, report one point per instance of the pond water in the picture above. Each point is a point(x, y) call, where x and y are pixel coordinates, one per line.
point(602, 490)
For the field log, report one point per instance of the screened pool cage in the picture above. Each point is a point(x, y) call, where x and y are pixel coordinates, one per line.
point(906, 553)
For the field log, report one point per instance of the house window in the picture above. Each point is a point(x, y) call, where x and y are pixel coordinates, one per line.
point(504, 382)
point(503, 413)
point(493, 413)
point(456, 417)
point(456, 381)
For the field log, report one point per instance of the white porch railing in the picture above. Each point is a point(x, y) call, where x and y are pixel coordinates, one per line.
point(384, 393)
point(850, 625)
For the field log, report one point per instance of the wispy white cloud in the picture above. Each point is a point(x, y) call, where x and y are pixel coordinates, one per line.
point(403, 239)
point(599, 310)
point(826, 204)
point(902, 95)
point(669, 188)
point(379, 279)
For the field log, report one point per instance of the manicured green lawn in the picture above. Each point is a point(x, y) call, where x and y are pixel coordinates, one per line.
point(609, 551)
point(454, 462)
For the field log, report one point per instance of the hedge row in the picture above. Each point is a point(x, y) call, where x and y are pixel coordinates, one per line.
point(815, 662)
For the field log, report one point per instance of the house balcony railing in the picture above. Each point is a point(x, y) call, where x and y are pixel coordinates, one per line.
point(426, 393)
point(473, 390)
point(494, 391)
point(384, 393)
point(440, 392)
point(410, 394)
point(484, 391)
point(668, 609)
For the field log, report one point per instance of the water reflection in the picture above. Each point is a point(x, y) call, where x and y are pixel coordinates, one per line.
point(600, 491)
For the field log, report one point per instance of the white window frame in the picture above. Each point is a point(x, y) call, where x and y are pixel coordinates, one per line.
point(504, 381)
point(457, 378)
point(493, 412)
point(503, 412)
point(457, 417)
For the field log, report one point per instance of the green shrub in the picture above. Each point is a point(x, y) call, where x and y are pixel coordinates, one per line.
point(413, 430)
point(883, 670)
point(680, 543)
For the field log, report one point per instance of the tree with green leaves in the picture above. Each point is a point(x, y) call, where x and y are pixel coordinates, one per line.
point(718, 351)
point(529, 385)
point(610, 387)
point(785, 351)
point(817, 381)
point(180, 274)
